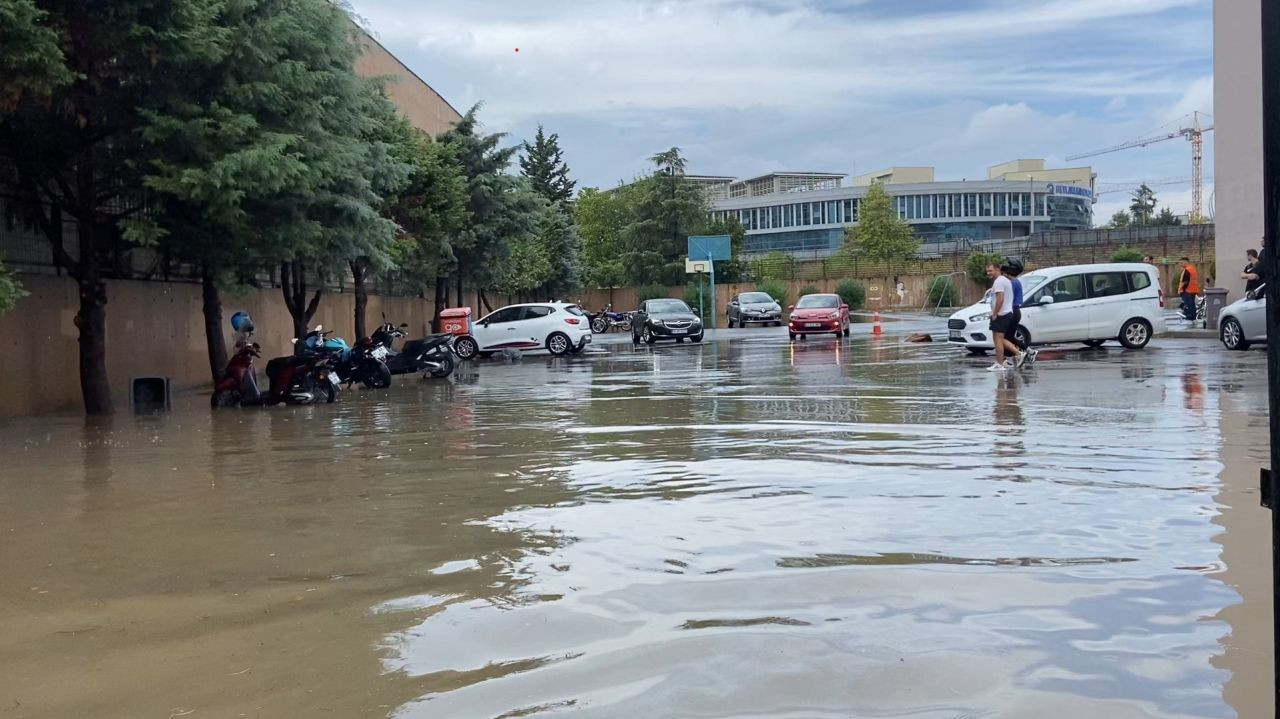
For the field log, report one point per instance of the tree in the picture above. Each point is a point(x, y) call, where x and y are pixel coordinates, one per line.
point(543, 163)
point(559, 240)
point(1118, 220)
point(669, 208)
point(10, 290)
point(1127, 254)
point(880, 233)
point(1143, 206)
point(976, 267)
point(601, 219)
point(1166, 218)
point(74, 105)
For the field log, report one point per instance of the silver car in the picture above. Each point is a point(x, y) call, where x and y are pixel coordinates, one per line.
point(1244, 321)
point(754, 307)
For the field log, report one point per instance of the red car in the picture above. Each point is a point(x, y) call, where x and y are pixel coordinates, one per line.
point(819, 315)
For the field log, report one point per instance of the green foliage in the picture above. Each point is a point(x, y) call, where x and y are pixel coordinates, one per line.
point(1127, 254)
point(543, 163)
point(32, 65)
point(880, 233)
point(668, 209)
point(943, 292)
point(852, 293)
point(525, 268)
point(10, 290)
point(690, 296)
point(559, 240)
point(429, 208)
point(809, 290)
point(1166, 218)
point(601, 219)
point(1119, 219)
point(976, 266)
point(775, 289)
point(733, 269)
point(774, 266)
point(650, 292)
point(1143, 206)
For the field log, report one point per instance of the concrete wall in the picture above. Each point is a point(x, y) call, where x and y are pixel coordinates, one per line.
point(154, 328)
point(1237, 135)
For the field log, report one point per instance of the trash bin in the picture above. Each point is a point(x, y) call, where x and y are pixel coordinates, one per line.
point(456, 321)
point(149, 394)
point(1215, 298)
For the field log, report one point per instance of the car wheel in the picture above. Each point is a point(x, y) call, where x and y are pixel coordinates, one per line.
point(1021, 336)
point(1135, 334)
point(1094, 343)
point(558, 343)
point(1232, 335)
point(466, 348)
point(648, 336)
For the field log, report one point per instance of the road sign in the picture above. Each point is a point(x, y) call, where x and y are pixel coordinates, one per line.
point(710, 247)
point(697, 267)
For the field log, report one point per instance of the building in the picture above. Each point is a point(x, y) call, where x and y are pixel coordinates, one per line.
point(420, 104)
point(806, 212)
point(1237, 205)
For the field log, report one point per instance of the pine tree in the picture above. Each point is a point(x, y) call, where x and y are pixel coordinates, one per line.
point(1143, 207)
point(667, 210)
point(543, 163)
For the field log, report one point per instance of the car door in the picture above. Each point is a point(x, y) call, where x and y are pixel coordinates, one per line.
point(494, 330)
point(536, 325)
point(1253, 317)
point(1063, 318)
point(1108, 298)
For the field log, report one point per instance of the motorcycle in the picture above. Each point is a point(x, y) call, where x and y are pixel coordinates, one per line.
point(239, 384)
point(607, 319)
point(362, 363)
point(431, 355)
point(302, 379)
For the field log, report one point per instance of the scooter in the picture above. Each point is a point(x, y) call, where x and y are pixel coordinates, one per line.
point(607, 319)
point(239, 384)
point(351, 364)
point(302, 379)
point(431, 355)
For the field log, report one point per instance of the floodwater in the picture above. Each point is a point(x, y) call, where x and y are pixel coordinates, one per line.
point(738, 529)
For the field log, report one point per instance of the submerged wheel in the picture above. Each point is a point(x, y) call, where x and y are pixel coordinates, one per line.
point(446, 366)
point(466, 347)
point(378, 378)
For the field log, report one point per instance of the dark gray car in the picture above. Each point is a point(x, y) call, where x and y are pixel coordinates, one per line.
point(665, 319)
point(754, 307)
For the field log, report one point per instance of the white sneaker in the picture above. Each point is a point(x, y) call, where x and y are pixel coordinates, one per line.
point(1031, 355)
point(997, 368)
point(1020, 360)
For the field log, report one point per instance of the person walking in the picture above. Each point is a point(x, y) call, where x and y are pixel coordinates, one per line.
point(902, 293)
point(1188, 288)
point(1011, 269)
point(1002, 320)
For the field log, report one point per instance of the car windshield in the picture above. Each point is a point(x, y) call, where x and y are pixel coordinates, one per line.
point(756, 298)
point(817, 302)
point(660, 306)
point(1030, 283)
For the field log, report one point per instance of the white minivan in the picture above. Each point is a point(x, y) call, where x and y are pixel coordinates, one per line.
point(1092, 304)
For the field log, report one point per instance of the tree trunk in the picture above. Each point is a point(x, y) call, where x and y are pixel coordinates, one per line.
point(293, 283)
point(461, 303)
point(442, 301)
point(213, 325)
point(358, 270)
point(94, 383)
point(484, 301)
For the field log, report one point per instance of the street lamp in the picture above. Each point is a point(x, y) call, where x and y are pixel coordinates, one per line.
point(1031, 187)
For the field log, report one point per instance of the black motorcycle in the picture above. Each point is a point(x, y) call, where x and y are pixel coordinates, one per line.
point(430, 355)
point(362, 363)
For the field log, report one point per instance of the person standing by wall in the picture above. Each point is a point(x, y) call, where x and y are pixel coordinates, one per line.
point(902, 292)
point(1188, 288)
point(1251, 275)
point(1002, 319)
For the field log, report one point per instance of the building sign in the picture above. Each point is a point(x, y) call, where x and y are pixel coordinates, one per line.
point(1054, 188)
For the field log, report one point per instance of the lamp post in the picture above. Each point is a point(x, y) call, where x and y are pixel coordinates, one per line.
point(1031, 187)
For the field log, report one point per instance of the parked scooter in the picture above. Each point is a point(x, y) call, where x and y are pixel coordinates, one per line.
point(431, 355)
point(239, 383)
point(351, 364)
point(307, 378)
point(607, 319)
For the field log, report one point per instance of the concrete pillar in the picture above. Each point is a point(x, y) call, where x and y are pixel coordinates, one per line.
point(1237, 137)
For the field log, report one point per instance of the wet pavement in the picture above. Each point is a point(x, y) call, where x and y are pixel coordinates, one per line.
point(743, 528)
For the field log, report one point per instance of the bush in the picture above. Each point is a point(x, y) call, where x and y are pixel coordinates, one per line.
point(775, 289)
point(1127, 254)
point(809, 290)
point(852, 294)
point(943, 292)
point(691, 297)
point(976, 267)
point(650, 292)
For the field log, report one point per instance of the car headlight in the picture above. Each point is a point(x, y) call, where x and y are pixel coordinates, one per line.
point(834, 315)
point(981, 317)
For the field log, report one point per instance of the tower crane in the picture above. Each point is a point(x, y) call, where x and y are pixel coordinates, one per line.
point(1195, 135)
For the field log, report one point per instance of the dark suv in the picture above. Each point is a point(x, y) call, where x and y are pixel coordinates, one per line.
point(665, 319)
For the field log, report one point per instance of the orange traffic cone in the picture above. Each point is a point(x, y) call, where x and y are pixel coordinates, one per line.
point(875, 328)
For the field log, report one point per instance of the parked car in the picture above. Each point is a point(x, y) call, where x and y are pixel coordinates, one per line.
point(819, 314)
point(665, 319)
point(1091, 304)
point(557, 327)
point(1244, 321)
point(757, 307)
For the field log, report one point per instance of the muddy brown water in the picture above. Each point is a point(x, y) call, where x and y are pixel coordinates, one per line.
point(738, 529)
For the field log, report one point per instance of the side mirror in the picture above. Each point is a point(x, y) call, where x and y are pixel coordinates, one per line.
point(1046, 300)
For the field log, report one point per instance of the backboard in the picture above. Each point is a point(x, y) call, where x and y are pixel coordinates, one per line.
point(714, 247)
point(696, 267)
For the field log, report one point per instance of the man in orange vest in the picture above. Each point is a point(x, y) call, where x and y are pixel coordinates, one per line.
point(1188, 288)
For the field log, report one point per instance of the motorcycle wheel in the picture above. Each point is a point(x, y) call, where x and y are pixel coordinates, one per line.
point(329, 393)
point(599, 325)
point(625, 325)
point(377, 377)
point(446, 366)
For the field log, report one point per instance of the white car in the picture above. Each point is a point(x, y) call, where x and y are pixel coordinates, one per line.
point(1077, 303)
point(1244, 321)
point(557, 327)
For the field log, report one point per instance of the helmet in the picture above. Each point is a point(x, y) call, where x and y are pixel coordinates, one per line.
point(1012, 265)
point(240, 322)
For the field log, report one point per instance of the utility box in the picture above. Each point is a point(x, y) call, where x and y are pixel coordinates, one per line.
point(149, 394)
point(456, 321)
point(1215, 298)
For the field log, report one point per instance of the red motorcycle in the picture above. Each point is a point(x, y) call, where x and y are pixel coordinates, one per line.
point(239, 384)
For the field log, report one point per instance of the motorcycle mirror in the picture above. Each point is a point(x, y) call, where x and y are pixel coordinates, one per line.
point(318, 328)
point(404, 324)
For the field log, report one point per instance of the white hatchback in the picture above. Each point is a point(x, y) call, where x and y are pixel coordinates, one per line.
point(1077, 303)
point(557, 327)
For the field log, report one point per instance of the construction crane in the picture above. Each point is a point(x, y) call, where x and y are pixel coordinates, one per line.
point(1195, 135)
point(1108, 188)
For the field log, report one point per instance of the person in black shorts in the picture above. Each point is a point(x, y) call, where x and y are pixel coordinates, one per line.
point(1011, 268)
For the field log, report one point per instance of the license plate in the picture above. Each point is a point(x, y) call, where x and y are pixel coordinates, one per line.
point(380, 353)
point(679, 332)
point(954, 335)
point(813, 324)
point(333, 377)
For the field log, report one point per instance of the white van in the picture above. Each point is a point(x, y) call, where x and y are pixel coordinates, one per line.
point(1078, 303)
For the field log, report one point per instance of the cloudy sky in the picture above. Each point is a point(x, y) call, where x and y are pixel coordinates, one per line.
point(748, 86)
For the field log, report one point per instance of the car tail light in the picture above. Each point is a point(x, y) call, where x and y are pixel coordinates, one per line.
point(571, 320)
point(1161, 298)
